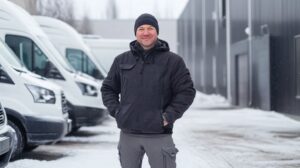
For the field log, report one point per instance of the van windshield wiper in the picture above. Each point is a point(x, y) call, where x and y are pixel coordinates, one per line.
point(19, 70)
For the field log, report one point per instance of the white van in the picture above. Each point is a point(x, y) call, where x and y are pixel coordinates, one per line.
point(34, 106)
point(105, 50)
point(71, 45)
point(25, 37)
point(6, 139)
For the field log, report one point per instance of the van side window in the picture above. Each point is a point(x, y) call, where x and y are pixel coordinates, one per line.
point(22, 47)
point(28, 52)
point(40, 61)
point(91, 68)
point(75, 58)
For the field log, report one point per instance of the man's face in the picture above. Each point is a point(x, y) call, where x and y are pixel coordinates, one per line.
point(146, 35)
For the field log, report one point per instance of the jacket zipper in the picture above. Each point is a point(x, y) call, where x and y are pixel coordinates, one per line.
point(142, 69)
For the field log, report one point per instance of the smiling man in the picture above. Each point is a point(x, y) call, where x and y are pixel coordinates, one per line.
point(156, 89)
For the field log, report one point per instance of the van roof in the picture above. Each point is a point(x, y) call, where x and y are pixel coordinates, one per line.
point(60, 30)
point(57, 27)
point(16, 18)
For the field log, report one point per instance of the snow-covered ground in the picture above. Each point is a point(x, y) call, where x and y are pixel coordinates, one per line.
point(211, 134)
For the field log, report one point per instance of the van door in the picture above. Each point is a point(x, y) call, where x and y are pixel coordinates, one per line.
point(32, 56)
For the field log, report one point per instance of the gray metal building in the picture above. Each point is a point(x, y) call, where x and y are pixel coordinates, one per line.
point(246, 50)
point(201, 35)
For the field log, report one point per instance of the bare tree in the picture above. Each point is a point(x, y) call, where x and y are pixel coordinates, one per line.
point(86, 26)
point(28, 5)
point(111, 9)
point(32, 6)
point(156, 9)
point(60, 9)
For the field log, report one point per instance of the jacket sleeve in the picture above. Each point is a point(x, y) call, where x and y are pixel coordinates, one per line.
point(111, 89)
point(182, 90)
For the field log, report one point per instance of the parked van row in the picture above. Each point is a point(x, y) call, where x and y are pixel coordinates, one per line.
point(71, 46)
point(34, 106)
point(44, 97)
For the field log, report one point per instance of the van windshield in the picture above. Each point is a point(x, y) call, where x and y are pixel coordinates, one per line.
point(10, 56)
point(57, 55)
point(81, 62)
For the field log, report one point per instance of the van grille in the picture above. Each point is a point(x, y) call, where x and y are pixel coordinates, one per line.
point(65, 108)
point(2, 116)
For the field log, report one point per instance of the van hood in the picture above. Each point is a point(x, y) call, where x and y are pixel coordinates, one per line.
point(87, 80)
point(84, 75)
point(34, 79)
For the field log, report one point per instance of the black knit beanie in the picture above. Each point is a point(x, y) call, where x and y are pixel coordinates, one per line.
point(146, 19)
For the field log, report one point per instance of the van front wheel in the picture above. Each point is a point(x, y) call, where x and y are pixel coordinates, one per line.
point(29, 148)
point(19, 139)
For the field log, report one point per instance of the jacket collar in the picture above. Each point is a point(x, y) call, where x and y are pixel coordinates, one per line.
point(160, 46)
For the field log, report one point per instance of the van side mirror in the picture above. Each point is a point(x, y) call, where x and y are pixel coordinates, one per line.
point(51, 71)
point(97, 74)
point(4, 78)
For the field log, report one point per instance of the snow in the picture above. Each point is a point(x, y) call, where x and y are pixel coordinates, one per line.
point(211, 134)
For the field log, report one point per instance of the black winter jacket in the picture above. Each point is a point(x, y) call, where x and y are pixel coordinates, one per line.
point(151, 85)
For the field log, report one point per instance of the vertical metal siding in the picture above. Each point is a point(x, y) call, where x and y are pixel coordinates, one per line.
point(238, 16)
point(220, 47)
point(199, 78)
point(281, 17)
point(278, 18)
point(209, 47)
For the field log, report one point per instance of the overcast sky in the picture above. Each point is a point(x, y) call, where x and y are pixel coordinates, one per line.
point(128, 9)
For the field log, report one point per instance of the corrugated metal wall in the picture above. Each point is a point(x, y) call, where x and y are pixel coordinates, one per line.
point(220, 47)
point(201, 34)
point(281, 19)
point(275, 22)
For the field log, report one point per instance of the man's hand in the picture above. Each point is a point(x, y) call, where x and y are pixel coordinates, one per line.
point(165, 120)
point(165, 123)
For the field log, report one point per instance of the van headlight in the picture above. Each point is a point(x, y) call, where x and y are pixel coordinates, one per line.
point(87, 90)
point(41, 95)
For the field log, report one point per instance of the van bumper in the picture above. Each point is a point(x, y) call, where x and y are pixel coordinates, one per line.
point(86, 116)
point(44, 130)
point(6, 145)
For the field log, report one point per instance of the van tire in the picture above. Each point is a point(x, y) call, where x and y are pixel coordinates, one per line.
point(29, 148)
point(75, 129)
point(19, 141)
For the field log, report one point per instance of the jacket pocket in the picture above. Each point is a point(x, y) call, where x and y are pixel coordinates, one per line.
point(169, 156)
point(127, 76)
point(126, 66)
point(123, 115)
point(149, 120)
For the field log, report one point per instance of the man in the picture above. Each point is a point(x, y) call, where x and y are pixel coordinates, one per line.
point(156, 89)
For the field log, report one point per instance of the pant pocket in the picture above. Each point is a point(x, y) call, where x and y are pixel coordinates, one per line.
point(169, 157)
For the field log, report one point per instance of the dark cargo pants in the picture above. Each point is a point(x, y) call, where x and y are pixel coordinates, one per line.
point(159, 148)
